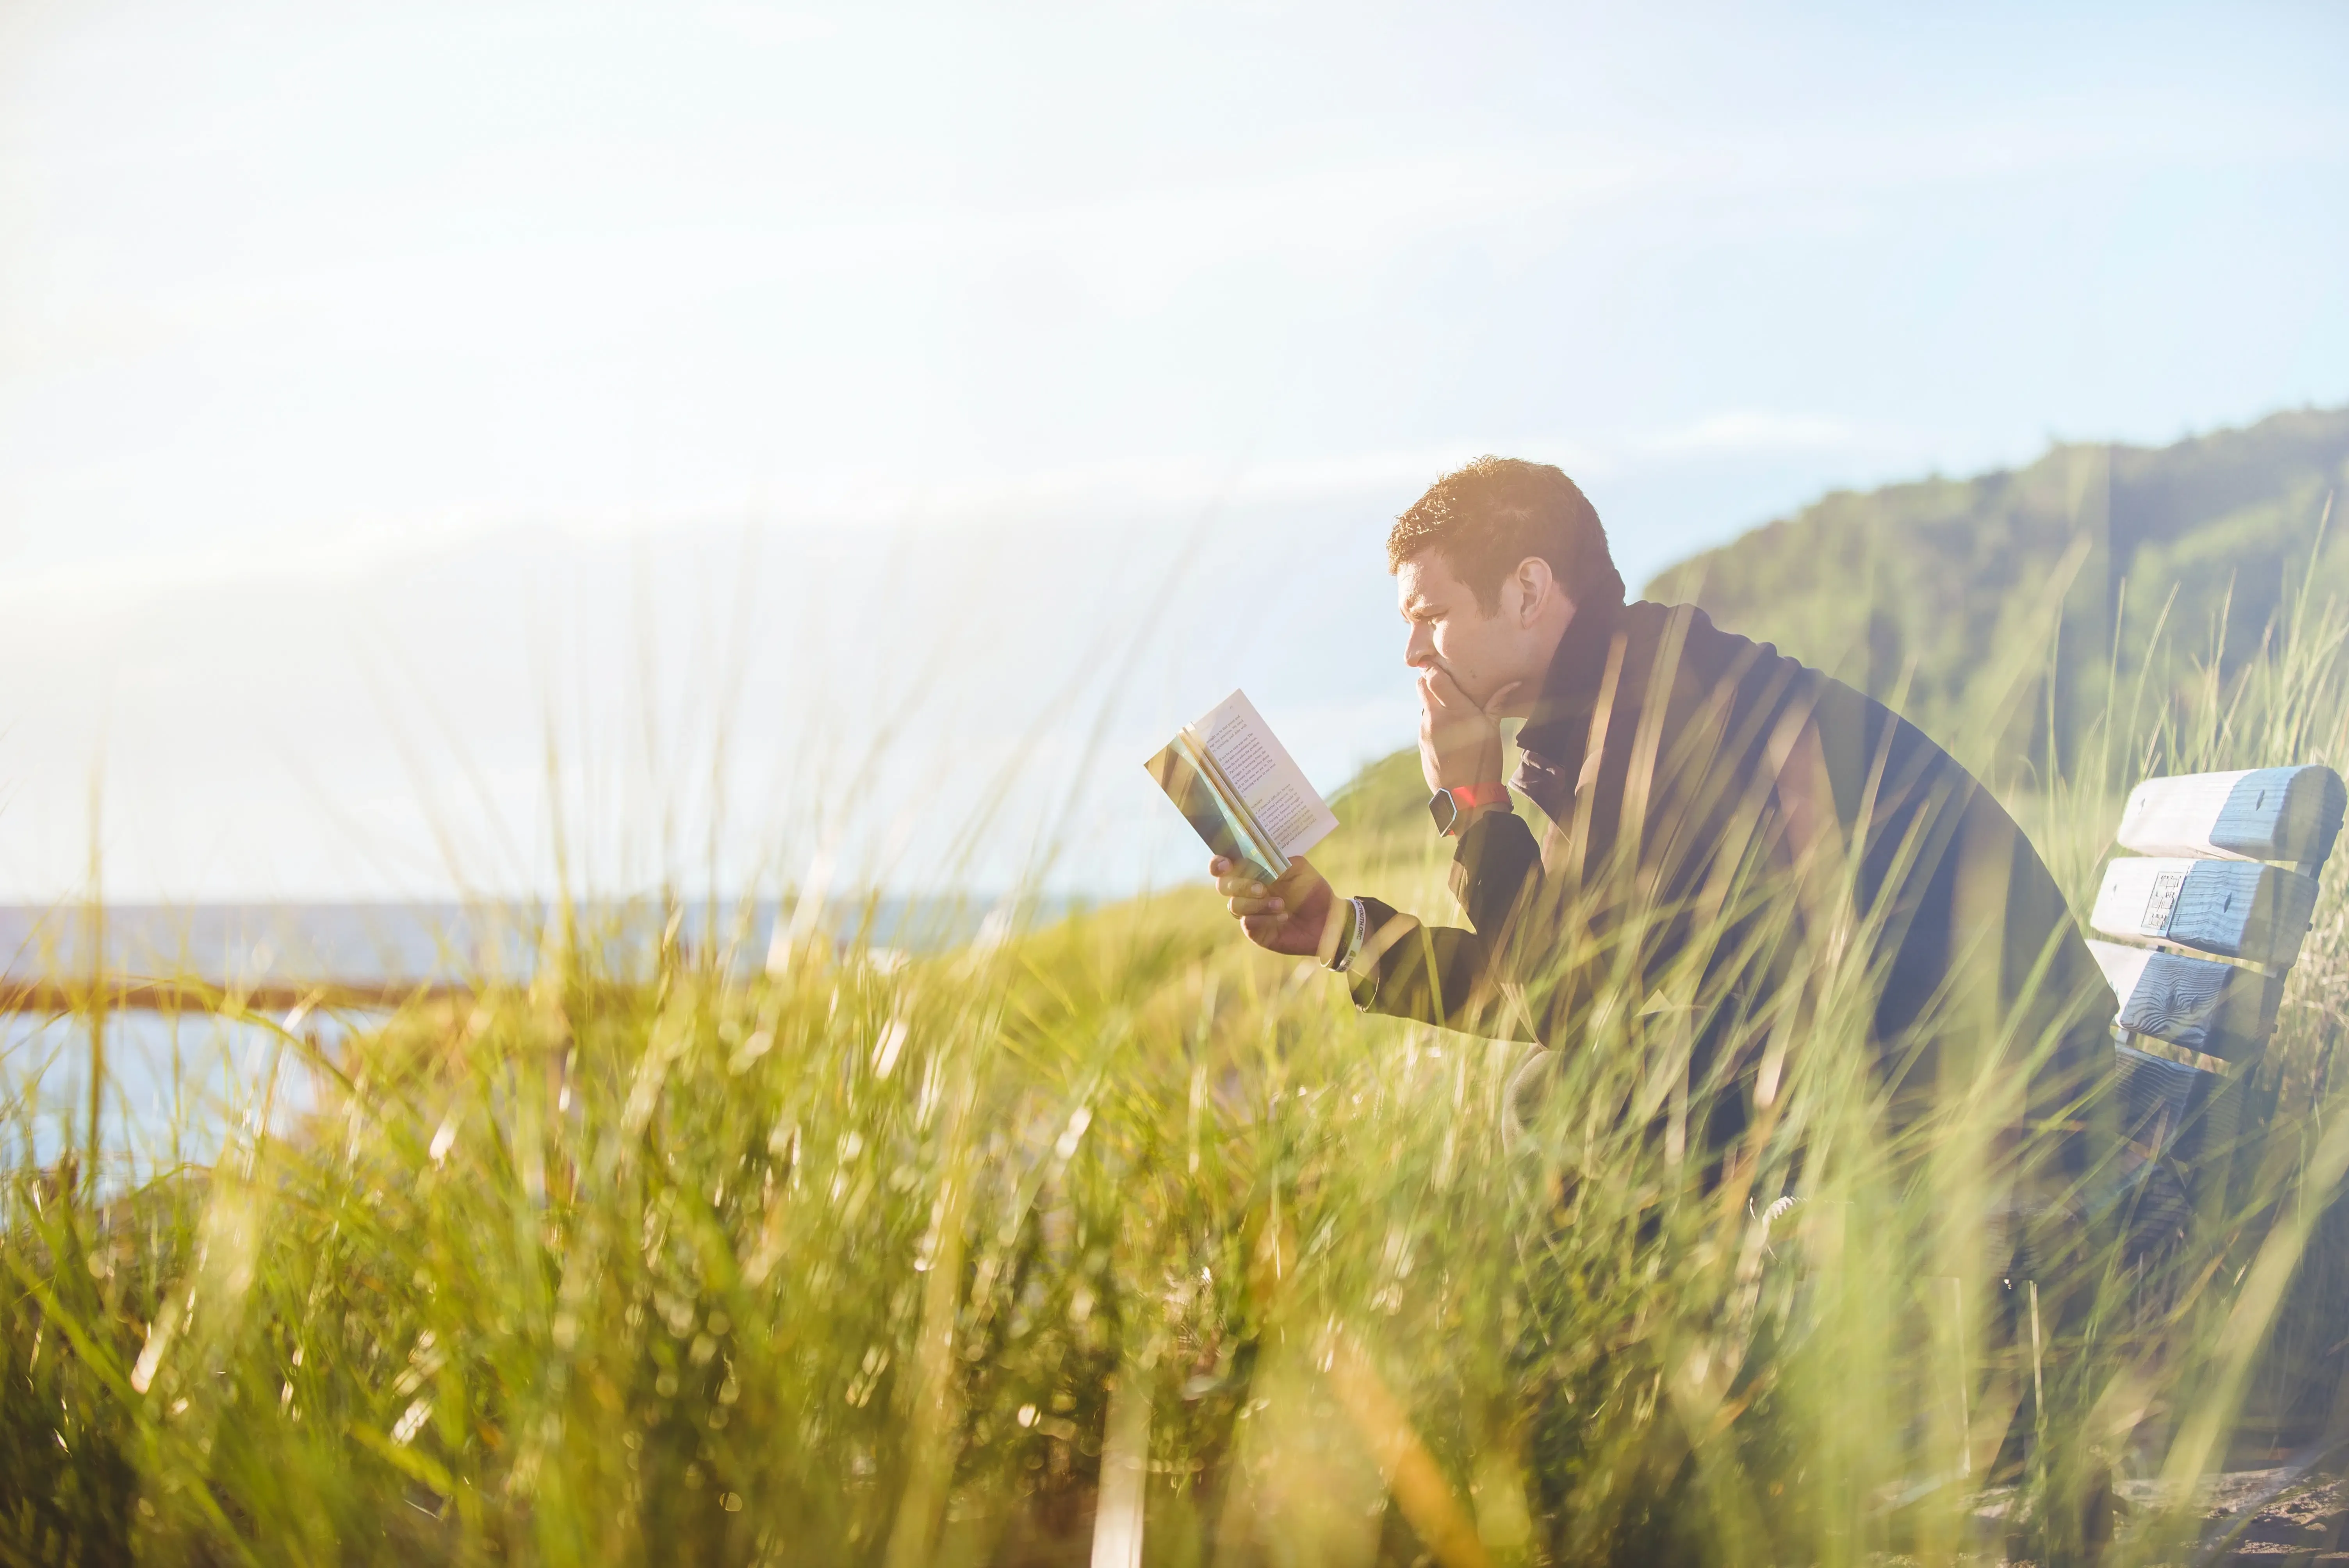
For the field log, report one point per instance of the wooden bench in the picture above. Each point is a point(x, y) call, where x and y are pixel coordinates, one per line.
point(2207, 917)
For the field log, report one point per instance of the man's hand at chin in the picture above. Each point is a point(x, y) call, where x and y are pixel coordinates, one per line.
point(1296, 915)
point(1459, 738)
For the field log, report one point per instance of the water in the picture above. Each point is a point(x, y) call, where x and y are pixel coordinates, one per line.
point(230, 944)
point(177, 1084)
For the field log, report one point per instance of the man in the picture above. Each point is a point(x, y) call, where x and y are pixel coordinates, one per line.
point(1731, 838)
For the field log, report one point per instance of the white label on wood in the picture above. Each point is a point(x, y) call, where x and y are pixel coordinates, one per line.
point(2138, 895)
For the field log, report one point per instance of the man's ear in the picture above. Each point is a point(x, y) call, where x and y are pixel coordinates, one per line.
point(1536, 586)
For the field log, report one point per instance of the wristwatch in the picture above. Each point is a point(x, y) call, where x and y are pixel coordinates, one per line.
point(1450, 807)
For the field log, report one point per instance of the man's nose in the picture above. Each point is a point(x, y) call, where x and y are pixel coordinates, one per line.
point(1419, 649)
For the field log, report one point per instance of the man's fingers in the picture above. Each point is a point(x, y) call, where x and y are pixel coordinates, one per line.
point(1218, 866)
point(1444, 691)
point(1263, 908)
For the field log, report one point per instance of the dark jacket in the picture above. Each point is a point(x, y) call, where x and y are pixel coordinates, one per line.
point(1725, 827)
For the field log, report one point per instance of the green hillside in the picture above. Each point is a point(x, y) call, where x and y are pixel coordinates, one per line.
point(1952, 594)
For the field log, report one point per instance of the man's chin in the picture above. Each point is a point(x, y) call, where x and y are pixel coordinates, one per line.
point(1475, 690)
point(1517, 704)
point(1480, 692)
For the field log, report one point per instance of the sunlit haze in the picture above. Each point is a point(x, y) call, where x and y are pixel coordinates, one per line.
point(847, 422)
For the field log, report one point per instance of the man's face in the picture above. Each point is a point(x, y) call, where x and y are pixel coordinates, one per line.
point(1450, 631)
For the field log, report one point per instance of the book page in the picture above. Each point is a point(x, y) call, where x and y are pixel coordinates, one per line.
point(1265, 777)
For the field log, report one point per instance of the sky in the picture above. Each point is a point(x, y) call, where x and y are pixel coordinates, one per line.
point(444, 443)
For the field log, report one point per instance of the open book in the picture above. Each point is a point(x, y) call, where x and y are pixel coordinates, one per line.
point(1234, 782)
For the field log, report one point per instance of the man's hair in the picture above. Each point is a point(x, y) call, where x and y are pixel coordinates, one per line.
point(1487, 517)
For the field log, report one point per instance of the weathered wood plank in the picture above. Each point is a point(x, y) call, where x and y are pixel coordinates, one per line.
point(2215, 1008)
point(2163, 1105)
point(2123, 965)
point(2236, 909)
point(2256, 814)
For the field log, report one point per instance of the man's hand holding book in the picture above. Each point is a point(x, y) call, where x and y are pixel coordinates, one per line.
point(1298, 914)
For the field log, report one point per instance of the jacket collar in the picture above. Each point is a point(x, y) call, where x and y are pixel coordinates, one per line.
point(1558, 726)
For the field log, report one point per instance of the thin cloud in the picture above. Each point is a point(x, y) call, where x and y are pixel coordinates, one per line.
point(1749, 432)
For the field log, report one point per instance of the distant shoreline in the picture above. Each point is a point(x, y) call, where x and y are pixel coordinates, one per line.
point(442, 943)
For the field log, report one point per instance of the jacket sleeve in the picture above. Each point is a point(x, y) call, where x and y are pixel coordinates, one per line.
point(1442, 974)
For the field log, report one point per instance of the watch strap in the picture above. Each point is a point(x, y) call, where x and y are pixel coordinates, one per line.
point(1350, 937)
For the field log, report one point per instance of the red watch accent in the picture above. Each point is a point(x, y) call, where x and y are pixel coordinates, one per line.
point(1476, 796)
point(1450, 806)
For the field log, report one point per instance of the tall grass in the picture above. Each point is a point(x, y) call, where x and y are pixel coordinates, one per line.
point(1117, 1237)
